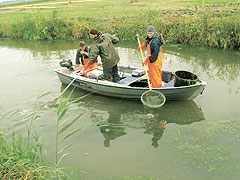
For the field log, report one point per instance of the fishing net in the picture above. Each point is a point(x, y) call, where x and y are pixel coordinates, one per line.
point(153, 99)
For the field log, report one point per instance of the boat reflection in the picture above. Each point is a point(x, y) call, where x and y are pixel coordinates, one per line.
point(114, 117)
point(178, 112)
point(123, 116)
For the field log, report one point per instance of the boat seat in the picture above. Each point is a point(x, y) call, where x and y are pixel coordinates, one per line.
point(169, 84)
point(130, 79)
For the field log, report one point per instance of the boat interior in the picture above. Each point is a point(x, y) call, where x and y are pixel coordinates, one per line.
point(137, 78)
point(129, 76)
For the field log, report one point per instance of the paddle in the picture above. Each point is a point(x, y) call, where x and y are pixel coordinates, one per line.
point(151, 98)
point(54, 102)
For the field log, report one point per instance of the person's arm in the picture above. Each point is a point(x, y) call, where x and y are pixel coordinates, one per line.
point(93, 54)
point(85, 52)
point(113, 38)
point(154, 52)
point(142, 46)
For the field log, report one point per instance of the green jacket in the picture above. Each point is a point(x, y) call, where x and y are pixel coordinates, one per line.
point(103, 46)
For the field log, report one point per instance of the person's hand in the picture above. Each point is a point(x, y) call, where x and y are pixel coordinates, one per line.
point(76, 67)
point(85, 68)
point(145, 61)
point(141, 47)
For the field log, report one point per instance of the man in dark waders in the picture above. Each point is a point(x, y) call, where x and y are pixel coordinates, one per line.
point(103, 46)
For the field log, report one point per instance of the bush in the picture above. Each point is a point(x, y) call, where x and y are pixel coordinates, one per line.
point(204, 30)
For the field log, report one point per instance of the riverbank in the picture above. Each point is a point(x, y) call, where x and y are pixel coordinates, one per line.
point(213, 25)
point(20, 160)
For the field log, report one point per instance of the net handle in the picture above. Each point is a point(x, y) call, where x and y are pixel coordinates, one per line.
point(149, 84)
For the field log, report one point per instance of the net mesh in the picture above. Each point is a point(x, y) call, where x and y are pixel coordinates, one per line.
point(153, 99)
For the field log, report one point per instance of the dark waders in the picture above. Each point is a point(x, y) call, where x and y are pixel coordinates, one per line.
point(111, 74)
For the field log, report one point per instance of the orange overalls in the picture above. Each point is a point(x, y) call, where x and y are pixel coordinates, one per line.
point(91, 67)
point(155, 68)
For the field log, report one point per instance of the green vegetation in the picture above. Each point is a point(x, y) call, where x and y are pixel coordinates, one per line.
point(206, 148)
point(217, 24)
point(20, 160)
point(63, 124)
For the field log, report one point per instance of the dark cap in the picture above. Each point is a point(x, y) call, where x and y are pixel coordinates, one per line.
point(150, 28)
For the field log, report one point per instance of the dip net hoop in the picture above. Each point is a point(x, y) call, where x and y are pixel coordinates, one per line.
point(153, 99)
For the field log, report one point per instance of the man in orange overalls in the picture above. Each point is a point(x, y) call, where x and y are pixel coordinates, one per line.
point(83, 56)
point(154, 57)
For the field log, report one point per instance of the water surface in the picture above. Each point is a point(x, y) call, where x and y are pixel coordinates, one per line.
point(121, 138)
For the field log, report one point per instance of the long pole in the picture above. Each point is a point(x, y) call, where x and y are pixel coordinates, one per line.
point(149, 84)
point(69, 85)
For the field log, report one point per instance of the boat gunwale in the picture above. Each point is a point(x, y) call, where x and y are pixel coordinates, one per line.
point(202, 83)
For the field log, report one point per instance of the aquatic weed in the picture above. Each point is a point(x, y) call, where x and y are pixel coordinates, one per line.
point(206, 147)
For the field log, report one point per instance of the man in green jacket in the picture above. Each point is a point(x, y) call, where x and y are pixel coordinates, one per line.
point(103, 46)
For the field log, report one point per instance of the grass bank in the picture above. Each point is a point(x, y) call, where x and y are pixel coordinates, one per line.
point(18, 160)
point(214, 25)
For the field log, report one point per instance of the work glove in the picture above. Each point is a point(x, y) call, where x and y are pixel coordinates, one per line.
point(145, 61)
point(141, 47)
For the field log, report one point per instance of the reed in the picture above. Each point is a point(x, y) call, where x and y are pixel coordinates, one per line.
point(64, 124)
point(220, 31)
point(22, 158)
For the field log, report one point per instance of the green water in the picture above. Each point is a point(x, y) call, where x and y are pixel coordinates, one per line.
point(121, 138)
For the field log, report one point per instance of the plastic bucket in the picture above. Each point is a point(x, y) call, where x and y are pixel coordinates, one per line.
point(167, 76)
point(185, 78)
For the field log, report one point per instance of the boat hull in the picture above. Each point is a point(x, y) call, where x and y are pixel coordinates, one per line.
point(107, 88)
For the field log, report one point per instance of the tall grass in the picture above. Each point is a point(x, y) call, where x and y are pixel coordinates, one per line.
point(62, 126)
point(19, 160)
point(221, 31)
point(22, 158)
point(44, 28)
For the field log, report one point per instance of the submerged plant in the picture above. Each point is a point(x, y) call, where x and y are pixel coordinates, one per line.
point(63, 124)
point(35, 115)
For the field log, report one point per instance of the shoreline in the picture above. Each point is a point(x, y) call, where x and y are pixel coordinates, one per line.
point(215, 26)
